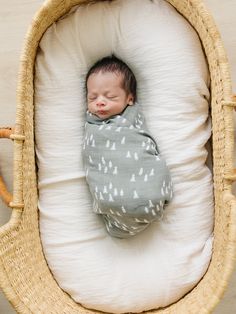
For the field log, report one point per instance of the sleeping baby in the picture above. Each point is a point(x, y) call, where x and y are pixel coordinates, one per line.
point(127, 177)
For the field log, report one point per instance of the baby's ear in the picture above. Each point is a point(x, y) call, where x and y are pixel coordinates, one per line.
point(131, 100)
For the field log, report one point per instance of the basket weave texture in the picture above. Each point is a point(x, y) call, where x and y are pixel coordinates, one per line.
point(24, 275)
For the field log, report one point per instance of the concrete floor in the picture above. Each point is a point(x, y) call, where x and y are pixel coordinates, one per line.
point(15, 16)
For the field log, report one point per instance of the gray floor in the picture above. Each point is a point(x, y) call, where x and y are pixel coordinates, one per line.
point(15, 17)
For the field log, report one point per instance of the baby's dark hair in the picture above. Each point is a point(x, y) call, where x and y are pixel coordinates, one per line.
point(113, 64)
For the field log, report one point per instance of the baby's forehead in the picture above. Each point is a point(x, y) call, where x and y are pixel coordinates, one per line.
point(103, 77)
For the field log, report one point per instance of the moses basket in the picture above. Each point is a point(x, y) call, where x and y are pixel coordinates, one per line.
point(24, 275)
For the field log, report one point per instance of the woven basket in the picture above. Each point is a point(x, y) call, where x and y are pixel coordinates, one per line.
point(24, 275)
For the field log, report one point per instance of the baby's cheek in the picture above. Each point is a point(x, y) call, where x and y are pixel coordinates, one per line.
point(90, 107)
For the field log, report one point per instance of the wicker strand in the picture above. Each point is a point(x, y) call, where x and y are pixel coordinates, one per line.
point(16, 205)
point(229, 103)
point(231, 176)
point(17, 137)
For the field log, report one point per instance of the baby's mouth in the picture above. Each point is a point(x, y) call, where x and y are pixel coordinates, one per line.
point(102, 112)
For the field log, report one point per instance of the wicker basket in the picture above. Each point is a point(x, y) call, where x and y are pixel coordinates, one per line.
point(24, 275)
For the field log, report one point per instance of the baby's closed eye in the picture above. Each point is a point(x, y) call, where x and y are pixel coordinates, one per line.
point(91, 97)
point(111, 97)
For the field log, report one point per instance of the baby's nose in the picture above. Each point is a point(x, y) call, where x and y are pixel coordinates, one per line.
point(101, 103)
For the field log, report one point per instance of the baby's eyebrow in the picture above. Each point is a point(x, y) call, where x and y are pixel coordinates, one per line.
point(110, 92)
point(91, 94)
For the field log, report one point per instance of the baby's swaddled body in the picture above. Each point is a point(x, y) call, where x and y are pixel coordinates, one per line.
point(127, 177)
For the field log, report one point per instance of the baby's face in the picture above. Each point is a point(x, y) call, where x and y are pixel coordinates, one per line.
point(105, 95)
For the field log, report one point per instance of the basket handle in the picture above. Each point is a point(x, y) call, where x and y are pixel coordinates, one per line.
point(8, 132)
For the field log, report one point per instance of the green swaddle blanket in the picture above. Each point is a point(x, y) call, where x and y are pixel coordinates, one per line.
point(127, 176)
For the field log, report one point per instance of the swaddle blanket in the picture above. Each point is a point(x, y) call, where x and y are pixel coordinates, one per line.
point(127, 176)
